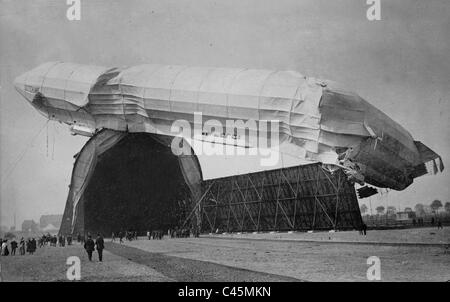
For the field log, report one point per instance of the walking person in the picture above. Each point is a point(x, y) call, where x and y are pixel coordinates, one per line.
point(89, 246)
point(99, 242)
point(364, 229)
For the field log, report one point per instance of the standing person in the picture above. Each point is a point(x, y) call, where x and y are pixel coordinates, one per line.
point(99, 242)
point(89, 246)
point(22, 246)
point(113, 237)
point(120, 237)
point(439, 224)
point(364, 228)
point(13, 247)
point(28, 243)
point(29, 246)
point(5, 251)
point(33, 246)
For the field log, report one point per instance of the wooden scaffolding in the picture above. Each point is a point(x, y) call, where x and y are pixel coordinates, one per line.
point(298, 198)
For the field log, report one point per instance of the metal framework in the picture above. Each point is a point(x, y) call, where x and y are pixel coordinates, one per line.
point(299, 198)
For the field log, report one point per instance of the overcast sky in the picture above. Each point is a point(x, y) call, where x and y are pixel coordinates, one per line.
point(400, 64)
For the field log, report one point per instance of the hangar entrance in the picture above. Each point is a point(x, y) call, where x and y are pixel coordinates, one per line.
point(128, 181)
point(136, 185)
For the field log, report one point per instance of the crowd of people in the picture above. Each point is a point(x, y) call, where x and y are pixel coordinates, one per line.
point(9, 247)
point(154, 234)
point(129, 235)
point(181, 233)
point(54, 240)
point(28, 246)
point(421, 222)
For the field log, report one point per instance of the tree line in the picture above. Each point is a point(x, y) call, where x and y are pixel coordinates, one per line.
point(419, 208)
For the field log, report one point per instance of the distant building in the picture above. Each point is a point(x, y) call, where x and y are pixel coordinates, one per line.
point(405, 216)
point(29, 226)
point(47, 221)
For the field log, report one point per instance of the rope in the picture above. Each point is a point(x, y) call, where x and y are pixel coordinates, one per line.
point(53, 142)
point(22, 154)
point(46, 140)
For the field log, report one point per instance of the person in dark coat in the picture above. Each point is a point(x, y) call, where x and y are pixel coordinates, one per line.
point(89, 246)
point(439, 224)
point(33, 245)
point(13, 247)
point(99, 242)
point(29, 249)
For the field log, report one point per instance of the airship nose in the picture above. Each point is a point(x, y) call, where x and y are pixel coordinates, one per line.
point(30, 82)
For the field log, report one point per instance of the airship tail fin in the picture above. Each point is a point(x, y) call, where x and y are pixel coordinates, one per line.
point(430, 161)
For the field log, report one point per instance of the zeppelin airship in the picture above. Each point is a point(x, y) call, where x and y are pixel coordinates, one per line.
point(323, 132)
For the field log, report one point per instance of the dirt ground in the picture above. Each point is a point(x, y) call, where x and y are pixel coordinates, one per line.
point(415, 235)
point(310, 261)
point(49, 264)
point(239, 257)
